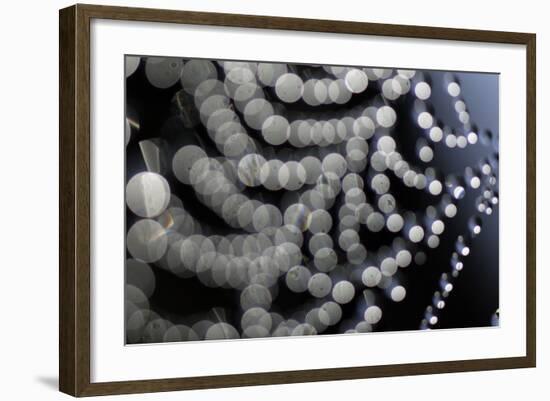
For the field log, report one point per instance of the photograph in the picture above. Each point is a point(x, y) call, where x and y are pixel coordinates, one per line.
point(277, 199)
point(261, 201)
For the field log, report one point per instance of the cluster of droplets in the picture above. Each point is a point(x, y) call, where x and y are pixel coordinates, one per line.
point(309, 240)
point(480, 179)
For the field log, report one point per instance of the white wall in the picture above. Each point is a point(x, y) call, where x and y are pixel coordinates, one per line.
point(28, 198)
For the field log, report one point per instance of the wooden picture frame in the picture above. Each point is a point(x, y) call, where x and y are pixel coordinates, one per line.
point(74, 205)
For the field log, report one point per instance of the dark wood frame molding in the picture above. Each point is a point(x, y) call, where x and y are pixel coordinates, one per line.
point(74, 194)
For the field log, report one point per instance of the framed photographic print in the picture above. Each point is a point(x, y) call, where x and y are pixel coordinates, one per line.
point(250, 200)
